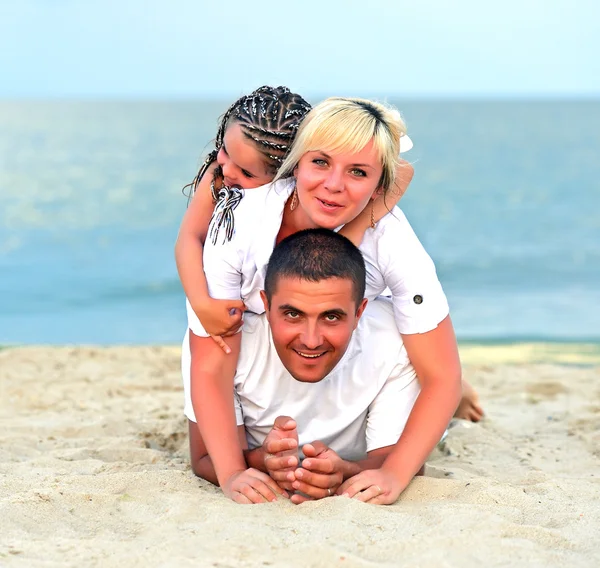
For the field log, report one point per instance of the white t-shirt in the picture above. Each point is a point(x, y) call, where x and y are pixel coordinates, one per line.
point(394, 259)
point(362, 405)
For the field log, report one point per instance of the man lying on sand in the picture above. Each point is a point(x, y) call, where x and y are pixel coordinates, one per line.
point(324, 372)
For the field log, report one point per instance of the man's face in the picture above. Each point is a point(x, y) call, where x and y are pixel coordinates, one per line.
point(312, 323)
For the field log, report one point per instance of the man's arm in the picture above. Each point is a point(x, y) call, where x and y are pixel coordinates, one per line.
point(278, 455)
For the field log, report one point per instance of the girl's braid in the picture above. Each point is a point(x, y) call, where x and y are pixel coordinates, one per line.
point(270, 116)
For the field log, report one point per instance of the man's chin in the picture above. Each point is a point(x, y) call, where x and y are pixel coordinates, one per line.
point(308, 373)
point(307, 377)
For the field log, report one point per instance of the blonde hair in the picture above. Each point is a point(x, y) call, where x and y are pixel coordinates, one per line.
point(347, 125)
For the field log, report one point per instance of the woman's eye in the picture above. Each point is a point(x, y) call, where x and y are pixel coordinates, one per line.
point(358, 172)
point(319, 162)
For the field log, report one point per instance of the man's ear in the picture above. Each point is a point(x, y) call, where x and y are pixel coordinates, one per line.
point(360, 310)
point(263, 297)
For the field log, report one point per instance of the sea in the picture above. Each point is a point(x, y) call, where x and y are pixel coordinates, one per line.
point(505, 198)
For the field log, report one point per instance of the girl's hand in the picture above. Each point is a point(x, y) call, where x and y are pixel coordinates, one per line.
point(252, 486)
point(221, 317)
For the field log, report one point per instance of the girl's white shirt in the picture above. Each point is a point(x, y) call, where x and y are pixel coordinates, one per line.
point(396, 262)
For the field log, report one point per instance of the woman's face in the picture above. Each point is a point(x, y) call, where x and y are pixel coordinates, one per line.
point(334, 188)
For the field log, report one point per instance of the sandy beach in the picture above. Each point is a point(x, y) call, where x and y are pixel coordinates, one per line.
point(93, 472)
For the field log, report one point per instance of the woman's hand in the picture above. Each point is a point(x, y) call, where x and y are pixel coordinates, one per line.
point(379, 207)
point(384, 203)
point(375, 486)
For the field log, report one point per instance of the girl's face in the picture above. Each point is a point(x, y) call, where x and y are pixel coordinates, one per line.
point(242, 164)
point(334, 188)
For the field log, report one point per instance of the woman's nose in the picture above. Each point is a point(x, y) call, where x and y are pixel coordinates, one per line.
point(334, 181)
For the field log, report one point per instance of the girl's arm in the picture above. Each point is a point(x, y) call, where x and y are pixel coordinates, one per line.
point(218, 317)
point(382, 205)
point(211, 380)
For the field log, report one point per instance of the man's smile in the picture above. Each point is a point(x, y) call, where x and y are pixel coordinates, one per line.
point(309, 355)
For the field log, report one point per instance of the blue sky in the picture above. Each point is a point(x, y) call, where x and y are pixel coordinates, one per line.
point(195, 48)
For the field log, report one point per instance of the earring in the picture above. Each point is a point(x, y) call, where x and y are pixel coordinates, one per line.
point(372, 214)
point(294, 202)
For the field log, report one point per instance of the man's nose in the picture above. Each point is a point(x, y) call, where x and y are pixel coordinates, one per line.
point(311, 336)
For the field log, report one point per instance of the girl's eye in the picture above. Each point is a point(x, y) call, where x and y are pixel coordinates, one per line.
point(247, 174)
point(358, 172)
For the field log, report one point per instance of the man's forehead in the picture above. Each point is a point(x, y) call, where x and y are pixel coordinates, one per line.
point(323, 294)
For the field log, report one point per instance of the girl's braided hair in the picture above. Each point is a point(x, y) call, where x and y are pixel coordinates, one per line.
point(270, 117)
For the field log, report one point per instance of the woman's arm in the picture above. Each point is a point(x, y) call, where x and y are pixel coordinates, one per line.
point(382, 205)
point(434, 356)
point(218, 317)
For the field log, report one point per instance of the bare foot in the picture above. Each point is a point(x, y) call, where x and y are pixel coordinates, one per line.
point(469, 408)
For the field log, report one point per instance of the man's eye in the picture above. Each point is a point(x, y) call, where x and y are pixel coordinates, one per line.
point(292, 315)
point(332, 317)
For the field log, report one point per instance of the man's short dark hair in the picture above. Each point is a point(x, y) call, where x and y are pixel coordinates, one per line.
point(315, 255)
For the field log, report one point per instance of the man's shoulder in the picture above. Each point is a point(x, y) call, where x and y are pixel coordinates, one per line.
point(377, 336)
point(378, 319)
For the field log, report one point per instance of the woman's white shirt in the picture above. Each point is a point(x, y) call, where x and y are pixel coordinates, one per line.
point(394, 259)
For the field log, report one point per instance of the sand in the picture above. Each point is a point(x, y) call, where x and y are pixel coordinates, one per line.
point(93, 472)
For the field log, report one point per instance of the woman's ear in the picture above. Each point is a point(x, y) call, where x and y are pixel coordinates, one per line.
point(296, 172)
point(378, 191)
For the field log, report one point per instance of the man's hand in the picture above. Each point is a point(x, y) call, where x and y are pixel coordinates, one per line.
point(281, 451)
point(320, 475)
point(375, 486)
point(252, 486)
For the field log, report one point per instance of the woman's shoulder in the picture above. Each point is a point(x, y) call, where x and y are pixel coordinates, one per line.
point(392, 231)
